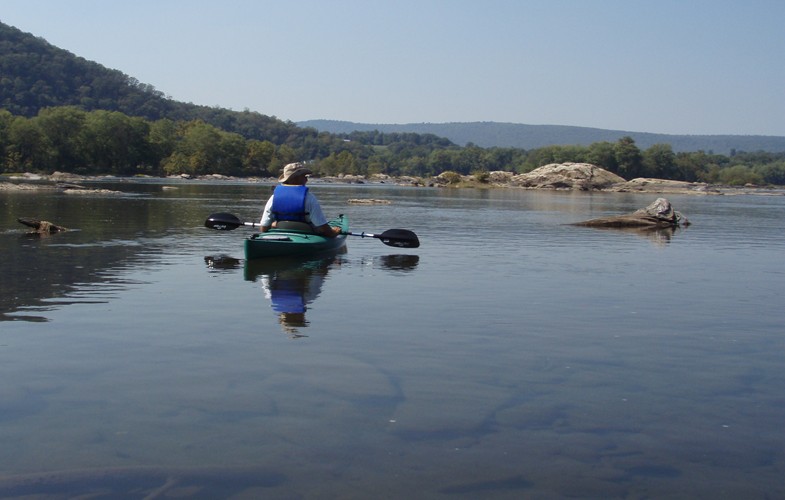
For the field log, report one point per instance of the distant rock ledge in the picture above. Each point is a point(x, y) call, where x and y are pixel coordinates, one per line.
point(588, 177)
point(63, 182)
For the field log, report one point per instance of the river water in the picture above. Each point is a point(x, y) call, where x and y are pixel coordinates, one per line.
point(511, 355)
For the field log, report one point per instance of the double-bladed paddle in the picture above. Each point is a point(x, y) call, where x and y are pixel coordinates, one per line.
point(401, 238)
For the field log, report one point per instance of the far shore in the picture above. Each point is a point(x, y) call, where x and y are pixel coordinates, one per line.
point(495, 180)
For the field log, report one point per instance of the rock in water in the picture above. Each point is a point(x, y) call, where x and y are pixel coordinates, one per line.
point(657, 215)
point(41, 226)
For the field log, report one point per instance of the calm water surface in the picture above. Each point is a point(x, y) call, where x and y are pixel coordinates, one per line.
point(511, 355)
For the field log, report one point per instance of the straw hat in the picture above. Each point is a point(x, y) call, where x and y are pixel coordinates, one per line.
point(293, 170)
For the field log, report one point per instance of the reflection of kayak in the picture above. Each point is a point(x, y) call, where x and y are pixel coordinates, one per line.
point(255, 269)
point(279, 242)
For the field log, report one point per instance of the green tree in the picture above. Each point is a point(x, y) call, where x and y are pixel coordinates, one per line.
point(773, 173)
point(441, 160)
point(555, 154)
point(697, 167)
point(416, 166)
point(690, 166)
point(739, 175)
point(378, 164)
point(659, 161)
point(258, 156)
point(176, 163)
point(602, 154)
point(506, 159)
point(62, 128)
point(231, 154)
point(469, 159)
point(284, 155)
point(114, 142)
point(5, 123)
point(197, 150)
point(162, 140)
point(341, 163)
point(628, 158)
point(28, 149)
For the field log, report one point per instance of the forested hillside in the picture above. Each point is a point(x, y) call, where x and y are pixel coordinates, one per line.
point(35, 75)
point(61, 112)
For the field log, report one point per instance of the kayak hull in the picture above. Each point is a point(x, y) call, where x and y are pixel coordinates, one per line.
point(293, 242)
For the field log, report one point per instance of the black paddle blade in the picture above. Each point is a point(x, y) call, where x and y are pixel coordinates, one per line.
point(223, 222)
point(401, 238)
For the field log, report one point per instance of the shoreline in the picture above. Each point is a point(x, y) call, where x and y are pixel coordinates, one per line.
point(495, 180)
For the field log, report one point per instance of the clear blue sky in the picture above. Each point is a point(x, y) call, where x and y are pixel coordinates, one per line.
point(666, 66)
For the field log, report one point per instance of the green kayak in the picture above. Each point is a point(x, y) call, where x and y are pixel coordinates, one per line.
point(294, 239)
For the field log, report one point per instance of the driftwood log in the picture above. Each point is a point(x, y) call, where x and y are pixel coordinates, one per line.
point(659, 214)
point(41, 226)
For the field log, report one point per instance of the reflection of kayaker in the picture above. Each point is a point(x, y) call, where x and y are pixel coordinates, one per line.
point(291, 286)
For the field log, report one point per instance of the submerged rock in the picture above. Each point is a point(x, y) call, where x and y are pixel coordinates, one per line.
point(41, 226)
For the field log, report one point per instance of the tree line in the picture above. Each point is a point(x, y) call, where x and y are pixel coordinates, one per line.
point(100, 142)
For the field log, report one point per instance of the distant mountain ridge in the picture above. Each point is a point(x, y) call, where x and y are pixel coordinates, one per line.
point(515, 135)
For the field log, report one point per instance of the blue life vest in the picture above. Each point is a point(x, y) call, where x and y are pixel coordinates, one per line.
point(286, 296)
point(289, 203)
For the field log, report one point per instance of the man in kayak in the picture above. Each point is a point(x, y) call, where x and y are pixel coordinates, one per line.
point(292, 201)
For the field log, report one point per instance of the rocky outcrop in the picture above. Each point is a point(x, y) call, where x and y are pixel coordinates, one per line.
point(659, 214)
point(580, 176)
point(588, 177)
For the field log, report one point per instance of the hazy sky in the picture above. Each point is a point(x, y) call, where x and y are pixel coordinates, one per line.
point(666, 66)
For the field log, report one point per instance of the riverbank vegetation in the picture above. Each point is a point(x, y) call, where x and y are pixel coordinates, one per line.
point(70, 139)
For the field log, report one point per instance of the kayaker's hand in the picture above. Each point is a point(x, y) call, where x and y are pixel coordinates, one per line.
point(328, 231)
